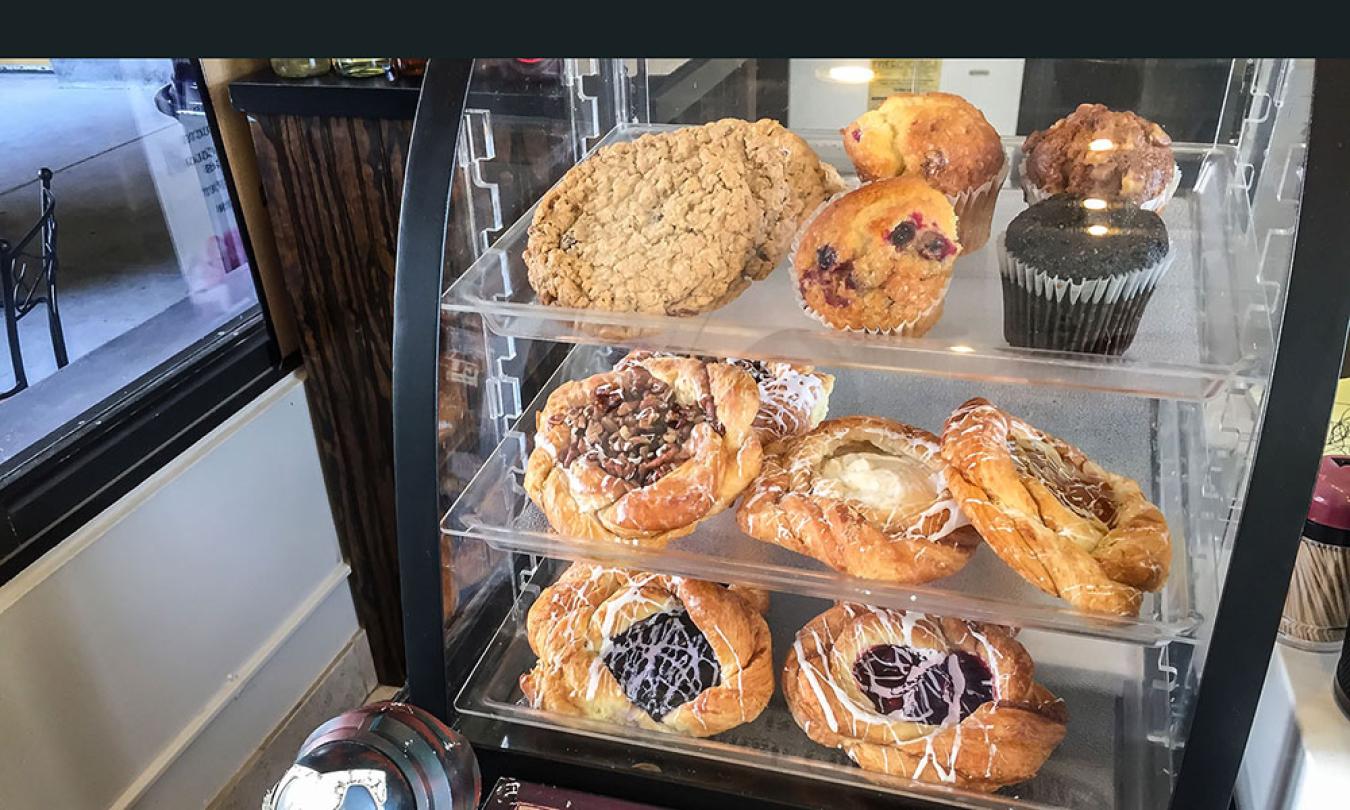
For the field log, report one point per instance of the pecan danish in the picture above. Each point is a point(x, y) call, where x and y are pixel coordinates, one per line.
point(793, 398)
point(643, 453)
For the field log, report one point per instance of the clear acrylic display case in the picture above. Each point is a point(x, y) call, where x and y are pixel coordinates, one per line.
point(1182, 412)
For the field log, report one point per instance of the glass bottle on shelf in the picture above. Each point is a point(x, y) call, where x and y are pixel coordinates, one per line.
point(300, 68)
point(362, 68)
point(410, 67)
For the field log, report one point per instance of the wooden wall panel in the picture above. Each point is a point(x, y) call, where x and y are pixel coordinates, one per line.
point(333, 187)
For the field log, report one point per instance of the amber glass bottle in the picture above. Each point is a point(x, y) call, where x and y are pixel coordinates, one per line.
point(410, 67)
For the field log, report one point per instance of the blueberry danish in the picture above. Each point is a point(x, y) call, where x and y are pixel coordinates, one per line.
point(923, 697)
point(658, 652)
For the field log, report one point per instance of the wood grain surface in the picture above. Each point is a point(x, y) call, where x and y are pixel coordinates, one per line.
point(333, 187)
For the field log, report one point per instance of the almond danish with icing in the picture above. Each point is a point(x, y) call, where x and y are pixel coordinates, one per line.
point(866, 496)
point(1069, 527)
point(641, 454)
point(657, 652)
point(922, 697)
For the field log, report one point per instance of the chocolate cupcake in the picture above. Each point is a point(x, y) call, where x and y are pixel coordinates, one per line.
point(1078, 273)
point(1097, 152)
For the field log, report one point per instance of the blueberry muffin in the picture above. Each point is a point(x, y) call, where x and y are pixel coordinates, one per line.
point(941, 138)
point(1096, 152)
point(879, 258)
point(1078, 273)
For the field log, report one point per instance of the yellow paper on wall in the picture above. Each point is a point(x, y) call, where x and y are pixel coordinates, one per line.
point(901, 76)
point(1338, 435)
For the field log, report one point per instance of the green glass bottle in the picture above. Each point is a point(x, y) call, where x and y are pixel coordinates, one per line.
point(362, 68)
point(300, 68)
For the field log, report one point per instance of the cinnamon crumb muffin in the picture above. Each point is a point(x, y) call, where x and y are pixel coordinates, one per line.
point(941, 138)
point(1097, 152)
point(879, 258)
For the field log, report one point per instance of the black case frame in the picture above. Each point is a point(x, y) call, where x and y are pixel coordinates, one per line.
point(1307, 363)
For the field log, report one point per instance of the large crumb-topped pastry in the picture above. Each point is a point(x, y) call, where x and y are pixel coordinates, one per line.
point(923, 697)
point(658, 652)
point(675, 222)
point(864, 495)
point(793, 398)
point(1097, 152)
point(942, 139)
point(879, 258)
point(1069, 527)
point(643, 453)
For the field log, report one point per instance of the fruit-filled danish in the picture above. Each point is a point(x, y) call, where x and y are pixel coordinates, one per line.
point(658, 652)
point(923, 697)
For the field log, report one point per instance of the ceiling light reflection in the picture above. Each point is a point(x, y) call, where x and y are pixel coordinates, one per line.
point(850, 74)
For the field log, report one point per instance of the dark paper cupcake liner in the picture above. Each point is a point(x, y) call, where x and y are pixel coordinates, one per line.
point(1098, 316)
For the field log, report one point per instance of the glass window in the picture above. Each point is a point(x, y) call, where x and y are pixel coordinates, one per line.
point(127, 287)
point(122, 245)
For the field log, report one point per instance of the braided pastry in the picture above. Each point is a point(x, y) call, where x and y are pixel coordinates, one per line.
point(923, 697)
point(1058, 519)
point(658, 652)
point(793, 398)
point(643, 453)
point(864, 495)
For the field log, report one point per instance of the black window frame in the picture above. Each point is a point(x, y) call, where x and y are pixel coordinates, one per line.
point(53, 487)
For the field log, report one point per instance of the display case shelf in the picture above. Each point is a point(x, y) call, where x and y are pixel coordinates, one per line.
point(1159, 444)
point(1116, 754)
point(1207, 325)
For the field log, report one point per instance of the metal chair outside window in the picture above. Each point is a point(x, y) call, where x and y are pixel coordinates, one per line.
point(28, 272)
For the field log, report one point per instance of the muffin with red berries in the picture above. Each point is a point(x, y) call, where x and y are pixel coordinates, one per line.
point(878, 259)
point(1098, 153)
point(941, 138)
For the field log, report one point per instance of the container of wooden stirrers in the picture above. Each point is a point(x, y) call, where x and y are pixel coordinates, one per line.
point(1317, 608)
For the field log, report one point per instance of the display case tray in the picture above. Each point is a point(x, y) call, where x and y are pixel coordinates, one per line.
point(1207, 325)
point(1116, 752)
point(1146, 440)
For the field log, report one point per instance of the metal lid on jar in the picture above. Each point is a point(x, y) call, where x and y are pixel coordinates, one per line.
point(1331, 494)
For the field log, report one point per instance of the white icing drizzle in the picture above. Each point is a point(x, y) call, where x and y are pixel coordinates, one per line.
point(900, 626)
point(787, 393)
point(810, 671)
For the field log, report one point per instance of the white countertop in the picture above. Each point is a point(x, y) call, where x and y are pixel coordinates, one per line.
point(1298, 753)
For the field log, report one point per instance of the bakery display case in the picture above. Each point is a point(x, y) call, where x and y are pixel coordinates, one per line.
point(824, 433)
